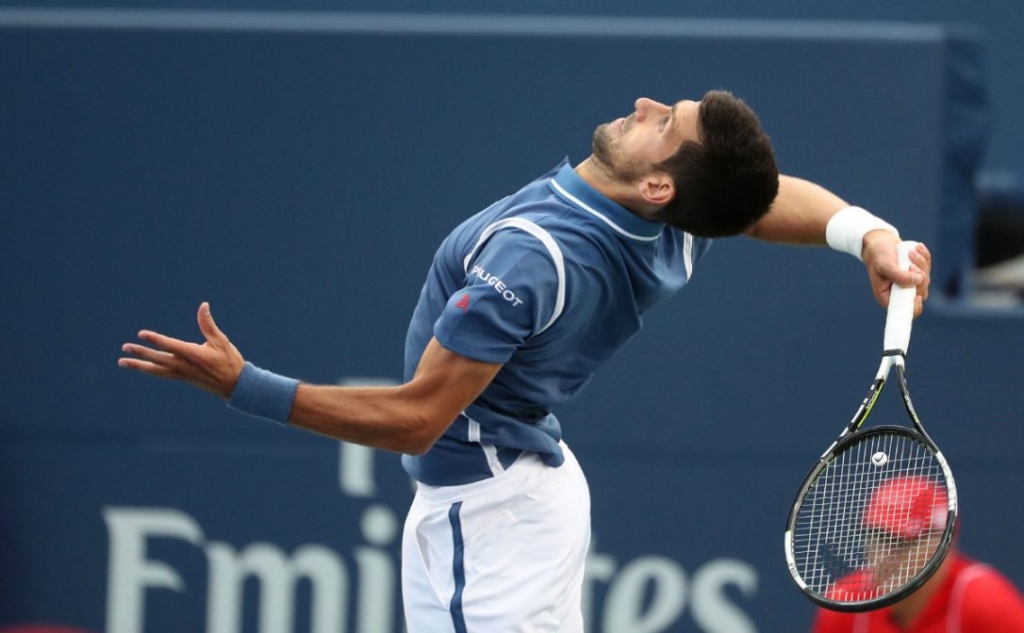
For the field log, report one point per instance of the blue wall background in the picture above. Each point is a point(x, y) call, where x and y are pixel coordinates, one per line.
point(1001, 22)
point(298, 173)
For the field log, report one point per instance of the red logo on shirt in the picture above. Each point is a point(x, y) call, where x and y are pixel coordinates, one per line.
point(463, 303)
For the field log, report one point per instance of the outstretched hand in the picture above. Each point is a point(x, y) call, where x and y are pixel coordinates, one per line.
point(883, 268)
point(213, 366)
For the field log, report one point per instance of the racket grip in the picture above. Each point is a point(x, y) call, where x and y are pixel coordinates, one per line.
point(900, 317)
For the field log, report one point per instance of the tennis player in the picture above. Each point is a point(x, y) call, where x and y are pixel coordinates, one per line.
point(963, 596)
point(523, 302)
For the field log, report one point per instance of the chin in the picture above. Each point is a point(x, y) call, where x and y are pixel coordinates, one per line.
point(601, 145)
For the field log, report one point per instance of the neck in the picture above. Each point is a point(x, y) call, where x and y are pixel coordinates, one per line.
point(600, 177)
point(603, 179)
point(906, 611)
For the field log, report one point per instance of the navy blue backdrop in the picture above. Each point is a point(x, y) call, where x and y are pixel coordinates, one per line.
point(299, 175)
point(1002, 23)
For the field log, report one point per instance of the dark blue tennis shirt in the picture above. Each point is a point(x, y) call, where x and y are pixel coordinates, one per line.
point(550, 282)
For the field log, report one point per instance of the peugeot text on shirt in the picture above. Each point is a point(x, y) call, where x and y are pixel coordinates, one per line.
point(498, 285)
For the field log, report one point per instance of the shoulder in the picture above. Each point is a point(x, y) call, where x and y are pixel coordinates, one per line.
point(987, 600)
point(517, 247)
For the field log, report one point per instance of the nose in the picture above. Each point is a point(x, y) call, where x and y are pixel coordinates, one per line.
point(645, 106)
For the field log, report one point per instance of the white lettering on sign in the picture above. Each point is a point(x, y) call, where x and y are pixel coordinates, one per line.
point(133, 575)
point(649, 594)
point(358, 589)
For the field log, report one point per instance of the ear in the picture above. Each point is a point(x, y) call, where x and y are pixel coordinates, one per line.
point(657, 188)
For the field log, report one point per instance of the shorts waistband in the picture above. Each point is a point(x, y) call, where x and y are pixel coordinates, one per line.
point(449, 494)
point(518, 471)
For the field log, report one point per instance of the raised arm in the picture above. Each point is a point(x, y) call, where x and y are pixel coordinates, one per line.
point(800, 213)
point(807, 213)
point(407, 418)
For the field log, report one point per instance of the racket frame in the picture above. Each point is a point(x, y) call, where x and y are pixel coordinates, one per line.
point(895, 344)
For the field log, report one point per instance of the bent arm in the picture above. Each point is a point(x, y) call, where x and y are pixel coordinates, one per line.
point(408, 418)
point(799, 215)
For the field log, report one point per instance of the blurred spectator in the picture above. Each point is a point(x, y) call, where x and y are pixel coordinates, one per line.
point(963, 596)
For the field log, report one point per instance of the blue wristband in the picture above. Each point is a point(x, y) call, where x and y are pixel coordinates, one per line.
point(264, 394)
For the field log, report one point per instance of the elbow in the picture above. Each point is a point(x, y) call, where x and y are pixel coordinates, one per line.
point(412, 441)
point(416, 446)
point(416, 449)
point(421, 435)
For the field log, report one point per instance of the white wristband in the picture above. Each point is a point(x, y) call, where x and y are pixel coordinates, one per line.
point(846, 230)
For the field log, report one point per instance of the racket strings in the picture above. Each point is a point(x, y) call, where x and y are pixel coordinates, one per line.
point(871, 520)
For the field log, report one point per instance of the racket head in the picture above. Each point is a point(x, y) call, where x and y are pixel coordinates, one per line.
point(872, 521)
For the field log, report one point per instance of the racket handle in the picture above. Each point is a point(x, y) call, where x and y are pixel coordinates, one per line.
point(900, 316)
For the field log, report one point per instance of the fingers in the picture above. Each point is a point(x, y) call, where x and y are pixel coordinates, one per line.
point(181, 348)
point(913, 276)
point(921, 262)
point(148, 368)
point(207, 325)
point(184, 348)
point(919, 272)
point(167, 344)
point(151, 361)
point(213, 366)
point(884, 271)
point(882, 295)
point(920, 276)
point(149, 355)
point(923, 253)
point(165, 357)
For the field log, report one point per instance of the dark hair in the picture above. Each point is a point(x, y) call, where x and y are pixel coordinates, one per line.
point(727, 181)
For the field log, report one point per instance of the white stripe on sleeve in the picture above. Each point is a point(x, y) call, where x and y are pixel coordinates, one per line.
point(545, 239)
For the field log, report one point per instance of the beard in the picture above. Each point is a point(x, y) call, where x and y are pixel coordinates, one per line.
point(607, 157)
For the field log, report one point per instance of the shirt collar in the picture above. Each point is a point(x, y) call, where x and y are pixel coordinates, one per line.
point(568, 185)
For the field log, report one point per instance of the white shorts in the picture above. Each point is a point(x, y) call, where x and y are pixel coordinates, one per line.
point(500, 555)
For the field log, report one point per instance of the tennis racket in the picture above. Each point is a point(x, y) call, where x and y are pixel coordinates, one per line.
point(875, 516)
